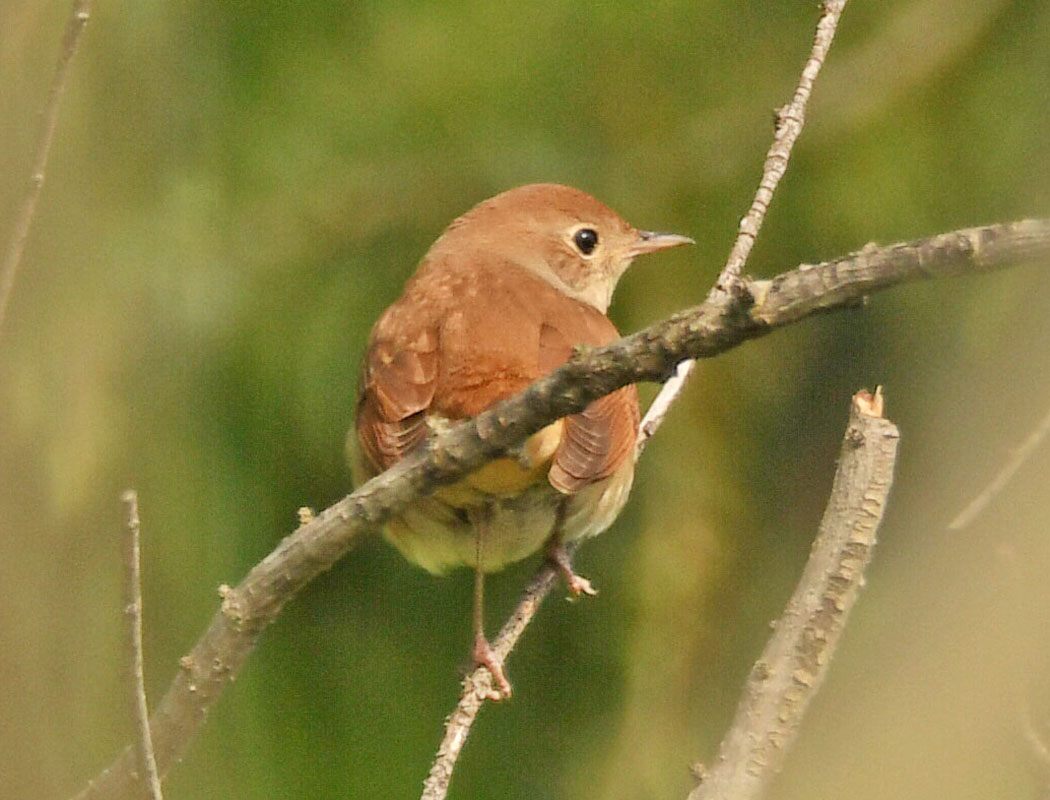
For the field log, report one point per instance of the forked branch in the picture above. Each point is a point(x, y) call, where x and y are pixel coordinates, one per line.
point(789, 122)
point(714, 327)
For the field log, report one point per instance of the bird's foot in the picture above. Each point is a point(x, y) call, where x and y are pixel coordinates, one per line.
point(485, 656)
point(577, 585)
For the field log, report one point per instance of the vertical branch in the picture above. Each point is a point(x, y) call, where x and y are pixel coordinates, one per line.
point(795, 660)
point(13, 257)
point(147, 762)
point(789, 122)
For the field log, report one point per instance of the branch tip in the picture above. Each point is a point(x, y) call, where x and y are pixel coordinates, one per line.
point(146, 766)
point(868, 404)
point(788, 121)
point(12, 258)
point(792, 666)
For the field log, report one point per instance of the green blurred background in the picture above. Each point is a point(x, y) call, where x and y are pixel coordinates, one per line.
point(236, 191)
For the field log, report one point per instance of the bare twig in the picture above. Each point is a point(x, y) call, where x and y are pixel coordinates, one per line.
point(796, 658)
point(789, 122)
point(976, 506)
point(477, 686)
point(716, 326)
point(665, 398)
point(9, 268)
point(147, 762)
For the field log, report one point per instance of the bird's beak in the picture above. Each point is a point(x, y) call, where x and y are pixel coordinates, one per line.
point(650, 242)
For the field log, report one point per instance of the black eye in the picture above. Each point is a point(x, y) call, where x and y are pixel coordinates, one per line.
point(586, 240)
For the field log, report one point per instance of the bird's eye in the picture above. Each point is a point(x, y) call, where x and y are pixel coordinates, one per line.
point(585, 239)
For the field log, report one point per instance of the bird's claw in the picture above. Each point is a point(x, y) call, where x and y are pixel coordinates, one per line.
point(485, 656)
point(560, 560)
point(579, 585)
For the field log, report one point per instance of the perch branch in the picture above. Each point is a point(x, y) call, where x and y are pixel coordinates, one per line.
point(717, 325)
point(477, 686)
point(13, 257)
point(147, 762)
point(793, 664)
point(789, 122)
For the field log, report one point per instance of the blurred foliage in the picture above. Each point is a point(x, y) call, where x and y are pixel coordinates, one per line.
point(238, 189)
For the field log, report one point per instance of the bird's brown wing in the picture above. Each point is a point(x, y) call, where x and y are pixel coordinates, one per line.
point(429, 356)
point(596, 442)
point(397, 387)
point(453, 344)
point(600, 439)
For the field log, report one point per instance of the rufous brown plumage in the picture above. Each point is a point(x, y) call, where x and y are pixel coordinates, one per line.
point(500, 300)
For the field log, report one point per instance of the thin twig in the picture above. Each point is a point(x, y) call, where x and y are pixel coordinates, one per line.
point(795, 660)
point(657, 411)
point(789, 122)
point(716, 326)
point(1003, 477)
point(1014, 585)
point(24, 221)
point(477, 686)
point(147, 762)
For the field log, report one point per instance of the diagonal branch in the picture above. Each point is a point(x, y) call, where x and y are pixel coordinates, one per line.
point(795, 660)
point(789, 122)
point(13, 257)
point(716, 326)
point(477, 686)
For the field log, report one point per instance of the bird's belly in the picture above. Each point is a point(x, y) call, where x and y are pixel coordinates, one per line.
point(436, 533)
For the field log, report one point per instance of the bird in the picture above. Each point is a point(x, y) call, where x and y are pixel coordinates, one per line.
point(501, 299)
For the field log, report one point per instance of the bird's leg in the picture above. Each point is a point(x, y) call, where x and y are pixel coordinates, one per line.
point(484, 655)
point(559, 558)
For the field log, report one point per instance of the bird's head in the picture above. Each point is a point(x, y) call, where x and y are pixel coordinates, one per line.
point(574, 242)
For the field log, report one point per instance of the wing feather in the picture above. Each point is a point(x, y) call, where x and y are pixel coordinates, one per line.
point(436, 352)
point(397, 388)
point(596, 442)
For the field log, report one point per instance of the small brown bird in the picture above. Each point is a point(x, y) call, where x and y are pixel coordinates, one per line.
point(500, 300)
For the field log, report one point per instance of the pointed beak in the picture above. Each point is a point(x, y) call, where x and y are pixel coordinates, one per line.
point(650, 242)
